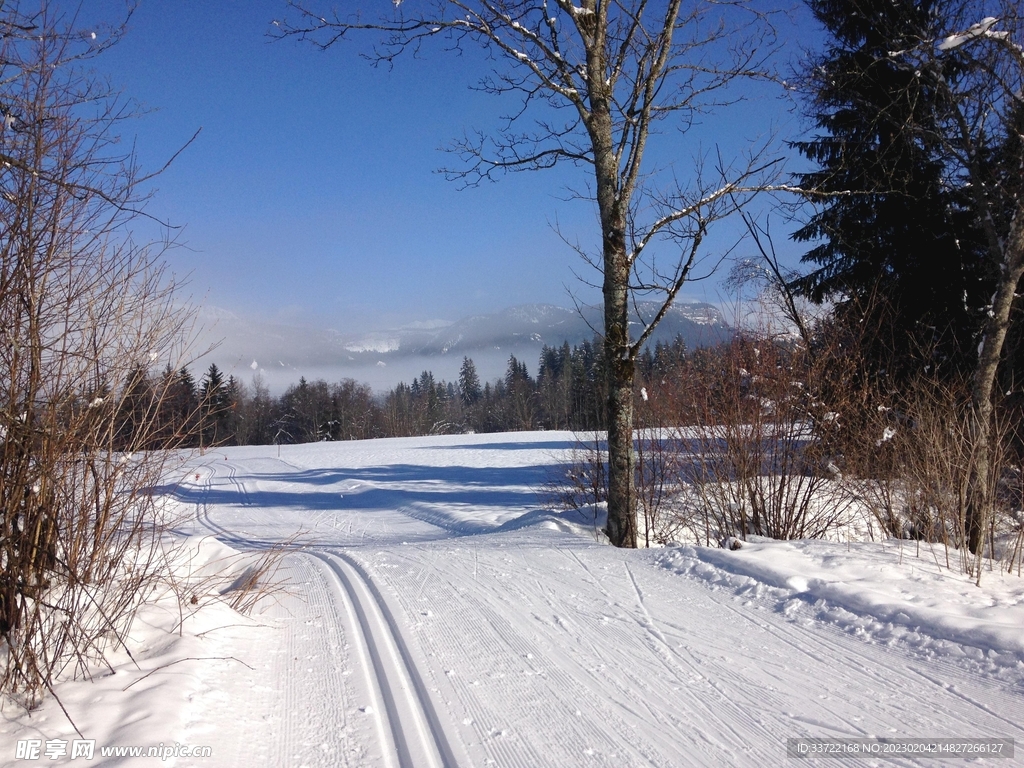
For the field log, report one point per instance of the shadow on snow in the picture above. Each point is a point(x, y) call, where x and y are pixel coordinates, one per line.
point(405, 488)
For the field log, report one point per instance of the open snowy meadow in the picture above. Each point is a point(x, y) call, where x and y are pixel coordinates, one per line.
point(428, 609)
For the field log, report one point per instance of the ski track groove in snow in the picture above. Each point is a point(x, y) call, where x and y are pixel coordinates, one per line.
point(497, 723)
point(318, 707)
point(675, 664)
point(680, 668)
point(819, 641)
point(823, 644)
point(313, 636)
point(407, 723)
point(501, 639)
point(416, 730)
point(535, 647)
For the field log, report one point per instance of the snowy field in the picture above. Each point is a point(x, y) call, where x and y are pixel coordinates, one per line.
point(432, 613)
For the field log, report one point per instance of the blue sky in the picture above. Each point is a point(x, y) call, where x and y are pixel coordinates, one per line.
point(311, 194)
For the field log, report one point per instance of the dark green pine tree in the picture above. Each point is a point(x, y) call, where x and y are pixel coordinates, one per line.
point(214, 406)
point(900, 253)
point(179, 408)
point(520, 396)
point(469, 383)
point(135, 418)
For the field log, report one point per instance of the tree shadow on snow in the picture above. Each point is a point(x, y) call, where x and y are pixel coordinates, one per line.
point(459, 500)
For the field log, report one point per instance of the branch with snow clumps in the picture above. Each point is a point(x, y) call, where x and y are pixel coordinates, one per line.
point(982, 29)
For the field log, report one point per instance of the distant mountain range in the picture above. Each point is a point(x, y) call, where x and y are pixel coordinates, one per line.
point(383, 358)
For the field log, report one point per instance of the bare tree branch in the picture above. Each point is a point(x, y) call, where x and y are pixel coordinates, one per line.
point(620, 67)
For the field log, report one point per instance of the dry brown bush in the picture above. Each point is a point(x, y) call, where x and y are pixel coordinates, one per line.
point(83, 311)
point(915, 469)
point(758, 459)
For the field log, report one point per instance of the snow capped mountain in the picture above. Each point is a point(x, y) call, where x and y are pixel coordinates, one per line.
point(379, 343)
point(536, 325)
point(384, 357)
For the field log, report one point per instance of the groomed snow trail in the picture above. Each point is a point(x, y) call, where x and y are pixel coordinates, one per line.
point(407, 731)
point(479, 629)
point(416, 732)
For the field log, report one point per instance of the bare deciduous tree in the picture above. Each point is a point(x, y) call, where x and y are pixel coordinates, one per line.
point(597, 78)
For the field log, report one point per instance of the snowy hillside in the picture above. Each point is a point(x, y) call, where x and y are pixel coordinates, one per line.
point(437, 613)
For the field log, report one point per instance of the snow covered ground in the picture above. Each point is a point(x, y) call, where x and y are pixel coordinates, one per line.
point(435, 613)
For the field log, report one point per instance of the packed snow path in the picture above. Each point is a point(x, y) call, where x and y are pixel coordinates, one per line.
point(454, 621)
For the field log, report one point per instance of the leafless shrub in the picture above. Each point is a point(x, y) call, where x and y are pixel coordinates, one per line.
point(83, 313)
point(580, 481)
point(757, 466)
point(918, 468)
point(660, 456)
point(737, 441)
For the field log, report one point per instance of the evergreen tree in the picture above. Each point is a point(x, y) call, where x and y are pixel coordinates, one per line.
point(136, 414)
point(231, 413)
point(214, 407)
point(588, 386)
point(519, 387)
point(181, 408)
point(902, 252)
point(469, 383)
point(258, 414)
point(305, 414)
point(398, 410)
point(554, 386)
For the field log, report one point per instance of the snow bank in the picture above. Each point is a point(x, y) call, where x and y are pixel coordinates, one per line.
point(885, 591)
point(177, 651)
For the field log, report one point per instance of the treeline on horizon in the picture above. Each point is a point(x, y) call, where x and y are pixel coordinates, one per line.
point(569, 392)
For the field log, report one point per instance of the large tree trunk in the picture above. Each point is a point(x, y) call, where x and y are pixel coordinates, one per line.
point(979, 501)
point(621, 527)
point(619, 363)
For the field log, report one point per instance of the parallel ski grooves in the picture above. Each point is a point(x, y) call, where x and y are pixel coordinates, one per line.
point(418, 735)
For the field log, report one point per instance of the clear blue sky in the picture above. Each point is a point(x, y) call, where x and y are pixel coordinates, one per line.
point(311, 194)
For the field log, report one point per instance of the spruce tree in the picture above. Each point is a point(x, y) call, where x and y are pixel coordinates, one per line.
point(213, 400)
point(898, 248)
point(469, 383)
point(183, 408)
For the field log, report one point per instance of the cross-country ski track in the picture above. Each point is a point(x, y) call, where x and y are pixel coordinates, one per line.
point(433, 610)
point(483, 629)
point(407, 726)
